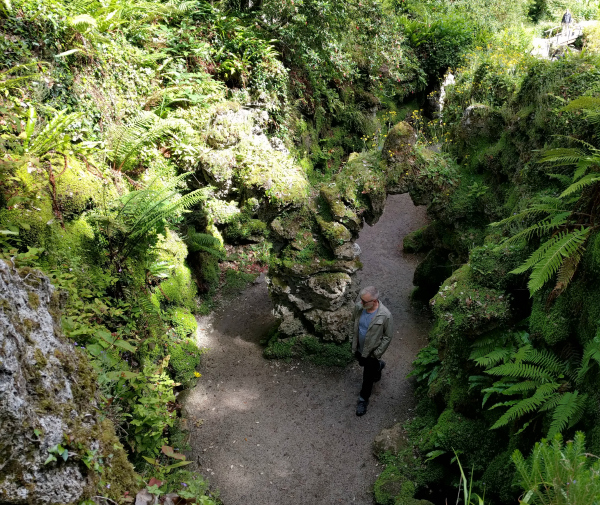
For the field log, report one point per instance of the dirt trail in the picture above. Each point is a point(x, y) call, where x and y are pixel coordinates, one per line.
point(276, 433)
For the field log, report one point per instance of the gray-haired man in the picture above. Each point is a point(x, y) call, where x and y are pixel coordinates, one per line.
point(371, 336)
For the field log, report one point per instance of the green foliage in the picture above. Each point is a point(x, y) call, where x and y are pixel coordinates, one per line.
point(440, 42)
point(185, 358)
point(204, 242)
point(558, 475)
point(569, 218)
point(145, 129)
point(426, 366)
point(178, 290)
point(130, 224)
point(539, 382)
point(151, 391)
point(184, 323)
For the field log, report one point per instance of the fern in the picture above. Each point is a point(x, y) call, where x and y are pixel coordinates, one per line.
point(145, 129)
point(204, 242)
point(569, 218)
point(578, 186)
point(564, 245)
point(559, 475)
point(528, 405)
point(135, 219)
point(521, 371)
point(569, 408)
point(591, 351)
point(542, 383)
point(493, 357)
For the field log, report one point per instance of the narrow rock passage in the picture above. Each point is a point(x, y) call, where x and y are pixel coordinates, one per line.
point(276, 433)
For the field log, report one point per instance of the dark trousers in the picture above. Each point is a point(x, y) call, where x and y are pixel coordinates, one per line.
point(371, 374)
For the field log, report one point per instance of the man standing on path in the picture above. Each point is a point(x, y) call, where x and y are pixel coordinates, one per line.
point(371, 336)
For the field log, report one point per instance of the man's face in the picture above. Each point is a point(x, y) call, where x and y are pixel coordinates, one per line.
point(367, 301)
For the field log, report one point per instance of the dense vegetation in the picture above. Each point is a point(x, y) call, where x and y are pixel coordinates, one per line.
point(108, 110)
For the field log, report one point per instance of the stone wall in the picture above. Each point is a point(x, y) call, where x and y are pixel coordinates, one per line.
point(48, 397)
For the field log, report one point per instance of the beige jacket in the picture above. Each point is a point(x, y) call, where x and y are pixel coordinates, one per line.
point(379, 333)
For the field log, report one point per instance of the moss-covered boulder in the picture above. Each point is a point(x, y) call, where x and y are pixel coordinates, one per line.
point(49, 413)
point(399, 143)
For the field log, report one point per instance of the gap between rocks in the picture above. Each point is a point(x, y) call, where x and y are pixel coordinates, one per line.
point(271, 432)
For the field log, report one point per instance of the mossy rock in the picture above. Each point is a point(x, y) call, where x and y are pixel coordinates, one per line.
point(553, 323)
point(335, 233)
point(183, 321)
point(391, 484)
point(491, 266)
point(273, 173)
point(179, 289)
point(462, 306)
point(185, 358)
point(456, 432)
point(418, 241)
point(499, 478)
point(361, 185)
point(399, 143)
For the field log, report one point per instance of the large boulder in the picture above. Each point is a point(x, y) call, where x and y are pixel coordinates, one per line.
point(52, 430)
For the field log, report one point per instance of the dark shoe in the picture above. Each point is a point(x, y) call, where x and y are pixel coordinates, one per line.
point(361, 408)
point(381, 367)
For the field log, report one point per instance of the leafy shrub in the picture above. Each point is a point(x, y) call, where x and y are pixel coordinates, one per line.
point(151, 396)
point(440, 43)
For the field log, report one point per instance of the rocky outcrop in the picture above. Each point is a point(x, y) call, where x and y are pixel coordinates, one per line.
point(316, 254)
point(52, 432)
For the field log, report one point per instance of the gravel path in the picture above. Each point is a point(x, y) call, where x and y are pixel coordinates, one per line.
point(276, 433)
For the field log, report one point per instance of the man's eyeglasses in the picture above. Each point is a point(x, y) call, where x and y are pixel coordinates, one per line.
point(364, 302)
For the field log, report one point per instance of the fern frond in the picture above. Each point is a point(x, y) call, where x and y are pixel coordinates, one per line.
point(552, 254)
point(569, 407)
point(563, 156)
point(493, 357)
point(521, 387)
point(520, 370)
point(582, 103)
point(145, 129)
point(539, 229)
point(522, 353)
point(566, 273)
point(564, 179)
point(591, 351)
point(523, 407)
point(546, 359)
point(204, 242)
point(52, 136)
point(581, 183)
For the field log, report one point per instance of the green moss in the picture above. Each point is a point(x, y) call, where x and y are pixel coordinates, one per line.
point(499, 478)
point(415, 241)
point(390, 484)
point(185, 358)
point(468, 308)
point(274, 173)
point(179, 289)
point(236, 281)
point(491, 264)
point(184, 323)
point(456, 432)
point(554, 323)
point(310, 348)
point(245, 229)
point(34, 300)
